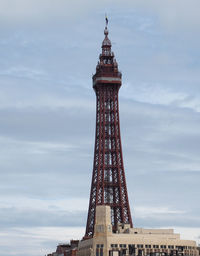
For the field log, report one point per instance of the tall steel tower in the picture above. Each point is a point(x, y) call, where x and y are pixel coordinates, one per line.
point(108, 180)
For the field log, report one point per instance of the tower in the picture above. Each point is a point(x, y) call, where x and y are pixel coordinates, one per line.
point(108, 180)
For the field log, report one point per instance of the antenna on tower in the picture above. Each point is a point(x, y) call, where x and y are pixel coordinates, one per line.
point(106, 18)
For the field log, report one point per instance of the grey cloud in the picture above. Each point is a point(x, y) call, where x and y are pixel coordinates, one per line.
point(178, 14)
point(175, 189)
point(168, 221)
point(23, 72)
point(47, 182)
point(172, 14)
point(46, 124)
point(42, 11)
point(13, 217)
point(159, 135)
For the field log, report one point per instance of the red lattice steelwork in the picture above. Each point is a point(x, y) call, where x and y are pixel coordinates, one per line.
point(108, 180)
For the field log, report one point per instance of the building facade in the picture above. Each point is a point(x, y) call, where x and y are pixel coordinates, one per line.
point(66, 249)
point(132, 241)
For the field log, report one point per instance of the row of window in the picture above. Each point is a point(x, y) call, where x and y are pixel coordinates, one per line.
point(149, 246)
point(99, 251)
point(120, 245)
point(100, 245)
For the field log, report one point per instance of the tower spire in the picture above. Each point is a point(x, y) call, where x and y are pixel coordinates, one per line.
point(108, 180)
point(106, 18)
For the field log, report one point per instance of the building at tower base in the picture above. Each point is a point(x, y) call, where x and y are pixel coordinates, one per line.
point(132, 241)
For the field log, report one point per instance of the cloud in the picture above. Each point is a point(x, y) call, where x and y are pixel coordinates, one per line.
point(152, 211)
point(153, 93)
point(13, 217)
point(145, 216)
point(178, 14)
point(172, 14)
point(166, 137)
point(68, 204)
point(23, 72)
point(39, 239)
point(41, 10)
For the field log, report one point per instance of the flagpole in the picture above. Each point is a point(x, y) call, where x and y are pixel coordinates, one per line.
point(106, 18)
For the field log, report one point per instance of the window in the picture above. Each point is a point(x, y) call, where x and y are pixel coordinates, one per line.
point(100, 245)
point(100, 228)
point(131, 248)
point(122, 245)
point(101, 251)
point(114, 245)
point(140, 246)
point(124, 251)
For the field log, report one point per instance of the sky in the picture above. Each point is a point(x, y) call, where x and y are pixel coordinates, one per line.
point(48, 52)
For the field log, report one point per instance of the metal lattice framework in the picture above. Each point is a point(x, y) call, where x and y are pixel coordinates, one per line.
point(108, 181)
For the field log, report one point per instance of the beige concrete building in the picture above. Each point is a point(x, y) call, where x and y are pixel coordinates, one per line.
point(132, 241)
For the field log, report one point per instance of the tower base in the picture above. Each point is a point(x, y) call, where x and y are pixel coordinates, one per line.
point(132, 241)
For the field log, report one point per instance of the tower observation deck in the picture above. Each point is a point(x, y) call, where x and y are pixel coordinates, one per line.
point(108, 179)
